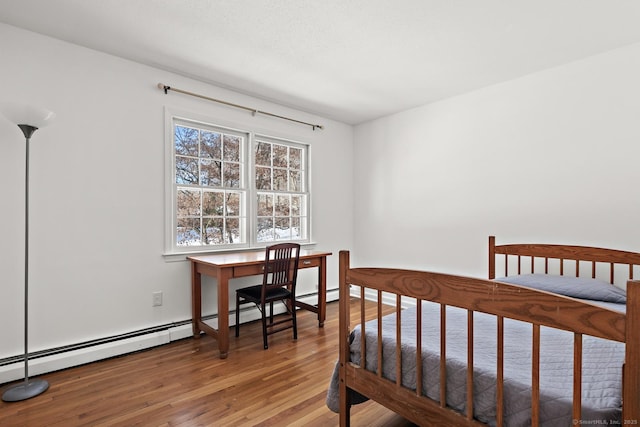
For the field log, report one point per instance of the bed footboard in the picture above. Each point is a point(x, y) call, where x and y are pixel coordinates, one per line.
point(399, 366)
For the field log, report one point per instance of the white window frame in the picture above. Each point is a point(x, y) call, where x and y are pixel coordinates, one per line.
point(248, 172)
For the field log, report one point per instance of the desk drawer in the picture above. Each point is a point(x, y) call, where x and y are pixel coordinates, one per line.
point(255, 270)
point(248, 270)
point(308, 263)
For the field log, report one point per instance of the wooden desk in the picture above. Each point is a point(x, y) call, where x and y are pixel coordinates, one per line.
point(241, 264)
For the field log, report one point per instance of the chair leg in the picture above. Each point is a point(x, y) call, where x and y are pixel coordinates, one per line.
point(237, 315)
point(293, 315)
point(264, 327)
point(271, 312)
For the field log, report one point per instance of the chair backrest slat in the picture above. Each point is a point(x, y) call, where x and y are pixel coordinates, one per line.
point(281, 266)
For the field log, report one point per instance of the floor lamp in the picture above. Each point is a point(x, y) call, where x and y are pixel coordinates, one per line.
point(28, 119)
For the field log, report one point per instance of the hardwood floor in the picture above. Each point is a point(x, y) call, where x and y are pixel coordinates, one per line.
point(184, 383)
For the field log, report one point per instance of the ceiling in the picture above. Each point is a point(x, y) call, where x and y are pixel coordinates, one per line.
point(348, 60)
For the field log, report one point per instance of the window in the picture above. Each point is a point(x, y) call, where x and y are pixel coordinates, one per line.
point(233, 189)
point(209, 186)
point(281, 200)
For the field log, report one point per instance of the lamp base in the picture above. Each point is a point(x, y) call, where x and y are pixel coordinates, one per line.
point(25, 390)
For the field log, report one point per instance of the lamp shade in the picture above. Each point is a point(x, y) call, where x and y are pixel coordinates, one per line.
point(22, 114)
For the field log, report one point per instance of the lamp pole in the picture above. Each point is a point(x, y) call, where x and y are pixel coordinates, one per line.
point(28, 388)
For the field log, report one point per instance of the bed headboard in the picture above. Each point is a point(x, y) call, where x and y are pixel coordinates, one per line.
point(564, 260)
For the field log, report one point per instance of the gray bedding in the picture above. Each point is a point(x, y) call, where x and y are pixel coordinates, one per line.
point(602, 367)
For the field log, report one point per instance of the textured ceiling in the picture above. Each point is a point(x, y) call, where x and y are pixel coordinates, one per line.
point(350, 60)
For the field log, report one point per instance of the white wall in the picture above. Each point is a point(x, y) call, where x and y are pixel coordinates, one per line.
point(553, 157)
point(97, 195)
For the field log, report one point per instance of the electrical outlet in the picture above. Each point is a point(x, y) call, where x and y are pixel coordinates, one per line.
point(157, 298)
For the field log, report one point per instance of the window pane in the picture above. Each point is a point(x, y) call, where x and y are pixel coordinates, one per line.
point(210, 145)
point(295, 181)
point(210, 173)
point(188, 203)
point(213, 231)
point(213, 203)
point(188, 231)
point(282, 206)
point(232, 231)
point(280, 156)
point(265, 205)
point(296, 202)
point(232, 148)
point(283, 229)
point(295, 228)
point(280, 179)
point(186, 141)
point(263, 178)
point(231, 175)
point(186, 170)
point(295, 158)
point(233, 204)
point(263, 153)
point(265, 230)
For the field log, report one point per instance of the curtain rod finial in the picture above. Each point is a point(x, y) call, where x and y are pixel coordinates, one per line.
point(164, 87)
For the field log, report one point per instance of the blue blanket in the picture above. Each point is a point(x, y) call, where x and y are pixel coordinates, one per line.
point(602, 367)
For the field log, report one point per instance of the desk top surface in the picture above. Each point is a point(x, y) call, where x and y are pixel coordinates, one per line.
point(231, 259)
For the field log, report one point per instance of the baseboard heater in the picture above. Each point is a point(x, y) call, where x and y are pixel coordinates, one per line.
point(55, 359)
point(79, 346)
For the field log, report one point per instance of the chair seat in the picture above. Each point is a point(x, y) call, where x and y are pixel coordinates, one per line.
point(255, 293)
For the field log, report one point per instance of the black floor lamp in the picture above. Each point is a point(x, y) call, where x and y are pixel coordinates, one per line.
point(29, 120)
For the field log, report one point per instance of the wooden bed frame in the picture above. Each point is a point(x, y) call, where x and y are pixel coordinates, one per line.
point(502, 300)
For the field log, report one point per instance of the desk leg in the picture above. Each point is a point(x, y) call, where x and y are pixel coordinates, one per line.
point(196, 300)
point(223, 311)
point(322, 291)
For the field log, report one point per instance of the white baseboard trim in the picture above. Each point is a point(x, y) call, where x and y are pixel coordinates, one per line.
point(68, 359)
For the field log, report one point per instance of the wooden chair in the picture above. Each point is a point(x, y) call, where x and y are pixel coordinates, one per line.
point(278, 284)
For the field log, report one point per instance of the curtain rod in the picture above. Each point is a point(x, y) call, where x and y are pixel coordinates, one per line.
point(253, 111)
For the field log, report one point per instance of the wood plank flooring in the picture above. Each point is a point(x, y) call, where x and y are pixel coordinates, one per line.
point(184, 383)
